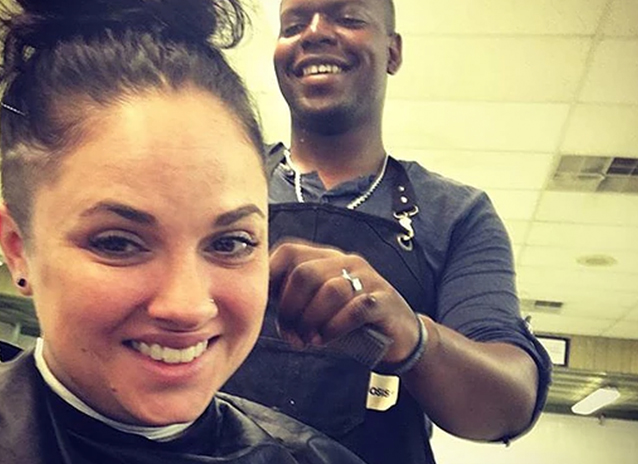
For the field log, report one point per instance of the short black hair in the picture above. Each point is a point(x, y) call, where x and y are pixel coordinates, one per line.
point(391, 16)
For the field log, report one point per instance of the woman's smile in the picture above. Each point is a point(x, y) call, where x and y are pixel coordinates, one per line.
point(170, 355)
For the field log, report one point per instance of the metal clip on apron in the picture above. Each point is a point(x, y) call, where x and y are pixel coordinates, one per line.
point(404, 208)
point(325, 388)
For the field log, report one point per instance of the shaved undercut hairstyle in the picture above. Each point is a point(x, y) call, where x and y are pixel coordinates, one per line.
point(65, 60)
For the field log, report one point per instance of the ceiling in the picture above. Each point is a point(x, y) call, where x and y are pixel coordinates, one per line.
point(493, 93)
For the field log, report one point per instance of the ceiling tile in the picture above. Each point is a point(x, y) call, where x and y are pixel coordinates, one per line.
point(574, 295)
point(613, 76)
point(499, 170)
point(474, 126)
point(517, 230)
point(576, 280)
point(516, 249)
point(599, 310)
point(622, 329)
point(275, 117)
point(567, 258)
point(529, 69)
point(551, 323)
point(623, 19)
point(267, 12)
point(602, 130)
point(253, 56)
point(514, 204)
point(589, 208)
point(499, 16)
point(581, 236)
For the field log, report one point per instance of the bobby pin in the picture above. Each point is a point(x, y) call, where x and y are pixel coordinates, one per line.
point(13, 109)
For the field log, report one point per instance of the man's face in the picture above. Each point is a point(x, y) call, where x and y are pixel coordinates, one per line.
point(332, 59)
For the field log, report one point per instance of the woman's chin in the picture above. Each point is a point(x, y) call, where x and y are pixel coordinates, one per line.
point(167, 416)
point(154, 410)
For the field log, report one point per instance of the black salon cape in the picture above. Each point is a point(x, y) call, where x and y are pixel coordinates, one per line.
point(37, 427)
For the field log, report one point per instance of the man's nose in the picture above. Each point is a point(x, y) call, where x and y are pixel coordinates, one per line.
point(184, 299)
point(320, 29)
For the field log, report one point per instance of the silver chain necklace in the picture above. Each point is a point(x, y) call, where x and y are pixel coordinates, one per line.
point(354, 203)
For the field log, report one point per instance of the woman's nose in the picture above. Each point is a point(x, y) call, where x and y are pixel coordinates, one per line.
point(183, 300)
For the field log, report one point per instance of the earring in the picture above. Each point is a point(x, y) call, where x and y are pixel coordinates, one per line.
point(212, 301)
point(21, 282)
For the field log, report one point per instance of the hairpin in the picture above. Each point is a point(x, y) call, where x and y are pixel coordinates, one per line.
point(13, 109)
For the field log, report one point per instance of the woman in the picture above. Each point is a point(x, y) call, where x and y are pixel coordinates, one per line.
point(135, 215)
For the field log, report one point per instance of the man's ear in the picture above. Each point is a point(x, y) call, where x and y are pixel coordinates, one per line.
point(13, 248)
point(395, 57)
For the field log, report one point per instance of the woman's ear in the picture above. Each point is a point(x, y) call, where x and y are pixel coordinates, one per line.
point(13, 248)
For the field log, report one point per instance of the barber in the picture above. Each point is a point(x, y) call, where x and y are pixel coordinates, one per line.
point(394, 260)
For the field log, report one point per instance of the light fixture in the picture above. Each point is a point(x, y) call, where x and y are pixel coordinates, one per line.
point(597, 260)
point(596, 400)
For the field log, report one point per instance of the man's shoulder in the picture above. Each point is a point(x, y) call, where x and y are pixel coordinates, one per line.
point(441, 195)
point(419, 174)
point(301, 440)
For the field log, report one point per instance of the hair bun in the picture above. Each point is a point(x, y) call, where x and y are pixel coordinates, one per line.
point(46, 21)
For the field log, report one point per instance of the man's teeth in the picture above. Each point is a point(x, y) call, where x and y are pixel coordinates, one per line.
point(321, 69)
point(170, 355)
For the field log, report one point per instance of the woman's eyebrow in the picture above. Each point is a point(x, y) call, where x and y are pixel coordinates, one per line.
point(235, 215)
point(141, 217)
point(124, 211)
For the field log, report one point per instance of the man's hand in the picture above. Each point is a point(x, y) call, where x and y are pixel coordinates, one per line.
point(317, 303)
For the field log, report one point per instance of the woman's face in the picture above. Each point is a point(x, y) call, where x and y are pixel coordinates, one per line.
point(148, 261)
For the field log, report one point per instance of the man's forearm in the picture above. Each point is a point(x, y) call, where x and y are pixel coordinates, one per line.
point(480, 391)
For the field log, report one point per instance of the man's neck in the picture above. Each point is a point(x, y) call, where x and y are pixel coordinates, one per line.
point(337, 158)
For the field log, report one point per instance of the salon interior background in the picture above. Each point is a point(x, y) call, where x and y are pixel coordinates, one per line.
point(535, 101)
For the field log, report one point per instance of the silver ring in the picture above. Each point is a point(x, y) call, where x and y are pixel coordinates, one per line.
point(355, 282)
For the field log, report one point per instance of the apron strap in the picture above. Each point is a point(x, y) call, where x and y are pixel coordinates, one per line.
point(404, 206)
point(275, 154)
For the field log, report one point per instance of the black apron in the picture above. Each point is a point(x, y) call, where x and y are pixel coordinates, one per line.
point(328, 390)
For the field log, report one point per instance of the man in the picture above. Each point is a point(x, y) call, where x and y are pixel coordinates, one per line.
point(403, 242)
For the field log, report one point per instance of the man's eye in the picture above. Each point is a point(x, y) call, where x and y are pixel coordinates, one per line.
point(116, 245)
point(351, 21)
point(289, 30)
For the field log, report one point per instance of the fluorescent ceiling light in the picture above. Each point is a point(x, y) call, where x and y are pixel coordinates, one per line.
point(596, 400)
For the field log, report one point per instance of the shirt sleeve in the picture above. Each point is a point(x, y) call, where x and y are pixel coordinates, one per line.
point(477, 292)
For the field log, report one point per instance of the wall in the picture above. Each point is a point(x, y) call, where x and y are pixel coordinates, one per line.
point(556, 439)
point(7, 334)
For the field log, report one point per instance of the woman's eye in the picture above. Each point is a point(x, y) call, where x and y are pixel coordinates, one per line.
point(117, 245)
point(232, 246)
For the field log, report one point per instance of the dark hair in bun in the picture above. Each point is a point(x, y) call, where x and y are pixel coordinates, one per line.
point(44, 22)
point(63, 59)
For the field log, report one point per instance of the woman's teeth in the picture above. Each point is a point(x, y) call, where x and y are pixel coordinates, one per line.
point(170, 355)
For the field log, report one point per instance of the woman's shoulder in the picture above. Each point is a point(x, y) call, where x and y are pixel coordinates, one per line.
point(303, 442)
point(19, 411)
